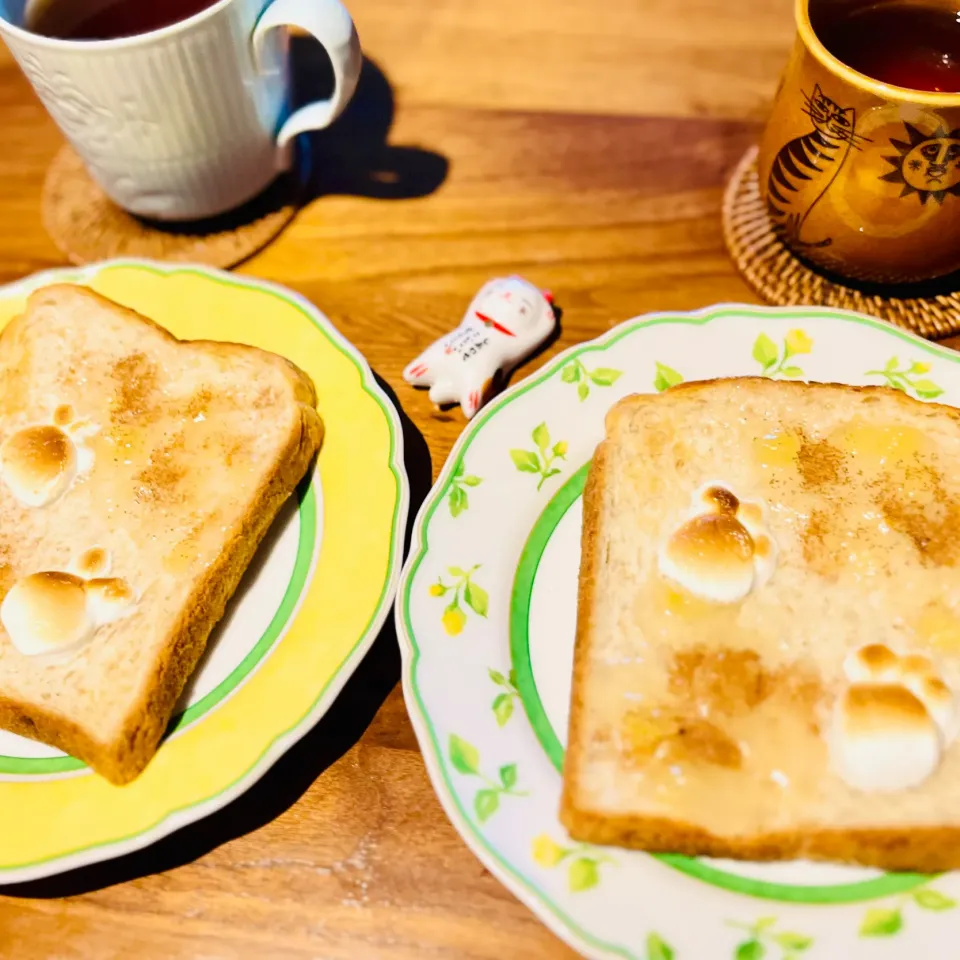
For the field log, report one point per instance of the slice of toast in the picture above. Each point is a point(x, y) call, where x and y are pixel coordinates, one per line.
point(138, 474)
point(768, 638)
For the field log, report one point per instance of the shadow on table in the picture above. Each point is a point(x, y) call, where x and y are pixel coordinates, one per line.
point(353, 156)
point(290, 777)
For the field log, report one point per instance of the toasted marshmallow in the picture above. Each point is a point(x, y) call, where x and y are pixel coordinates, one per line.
point(882, 738)
point(47, 613)
point(718, 499)
point(38, 464)
point(917, 666)
point(109, 599)
point(712, 557)
point(54, 614)
point(876, 663)
point(94, 562)
point(873, 663)
point(64, 415)
point(940, 702)
point(723, 550)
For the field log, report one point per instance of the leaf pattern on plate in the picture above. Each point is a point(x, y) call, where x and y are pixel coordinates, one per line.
point(583, 862)
point(888, 921)
point(542, 459)
point(465, 759)
point(763, 940)
point(464, 588)
point(775, 360)
point(666, 377)
point(658, 949)
point(576, 372)
point(503, 703)
point(457, 498)
point(908, 377)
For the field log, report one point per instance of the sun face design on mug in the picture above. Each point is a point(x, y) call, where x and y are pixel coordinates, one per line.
point(926, 164)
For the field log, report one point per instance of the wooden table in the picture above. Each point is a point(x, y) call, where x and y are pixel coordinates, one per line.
point(581, 143)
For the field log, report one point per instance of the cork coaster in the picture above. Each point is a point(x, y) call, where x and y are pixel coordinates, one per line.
point(86, 225)
point(780, 277)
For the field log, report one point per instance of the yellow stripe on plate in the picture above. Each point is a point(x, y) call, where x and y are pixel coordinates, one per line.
point(360, 494)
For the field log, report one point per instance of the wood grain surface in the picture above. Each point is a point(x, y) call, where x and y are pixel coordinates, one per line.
point(581, 144)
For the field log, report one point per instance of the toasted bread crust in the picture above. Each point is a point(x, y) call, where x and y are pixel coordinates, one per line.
point(589, 572)
point(626, 404)
point(921, 848)
point(123, 759)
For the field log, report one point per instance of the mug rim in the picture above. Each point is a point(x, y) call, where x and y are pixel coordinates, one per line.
point(884, 91)
point(137, 39)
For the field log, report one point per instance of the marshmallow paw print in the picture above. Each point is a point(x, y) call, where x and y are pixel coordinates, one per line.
point(54, 613)
point(506, 321)
point(38, 463)
point(723, 550)
point(893, 722)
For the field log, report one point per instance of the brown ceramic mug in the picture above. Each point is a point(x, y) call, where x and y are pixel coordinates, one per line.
point(860, 177)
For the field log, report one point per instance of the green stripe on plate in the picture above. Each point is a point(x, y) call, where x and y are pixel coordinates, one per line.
point(523, 584)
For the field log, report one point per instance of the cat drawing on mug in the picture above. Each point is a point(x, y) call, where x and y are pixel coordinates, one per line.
point(804, 169)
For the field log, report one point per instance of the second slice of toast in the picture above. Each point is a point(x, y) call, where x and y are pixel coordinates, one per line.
point(768, 640)
point(138, 475)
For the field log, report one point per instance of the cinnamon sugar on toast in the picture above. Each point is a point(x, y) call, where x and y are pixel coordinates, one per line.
point(138, 474)
point(768, 639)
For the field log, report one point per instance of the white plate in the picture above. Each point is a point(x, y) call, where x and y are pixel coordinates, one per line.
point(486, 614)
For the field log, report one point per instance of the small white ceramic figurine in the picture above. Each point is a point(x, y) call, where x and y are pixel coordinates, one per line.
point(506, 321)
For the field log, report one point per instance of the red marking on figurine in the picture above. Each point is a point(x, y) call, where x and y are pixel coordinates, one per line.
point(490, 322)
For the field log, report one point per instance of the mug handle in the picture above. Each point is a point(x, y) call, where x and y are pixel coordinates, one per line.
point(330, 24)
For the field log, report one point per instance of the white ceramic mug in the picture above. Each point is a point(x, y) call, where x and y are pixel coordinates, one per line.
point(188, 121)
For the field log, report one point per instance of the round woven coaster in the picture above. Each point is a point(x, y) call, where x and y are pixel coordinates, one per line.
point(86, 225)
point(780, 277)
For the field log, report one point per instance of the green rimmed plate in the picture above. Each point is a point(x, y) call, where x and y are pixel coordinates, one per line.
point(308, 609)
point(486, 614)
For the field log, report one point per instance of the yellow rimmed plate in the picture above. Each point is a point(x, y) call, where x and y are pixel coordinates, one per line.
point(307, 611)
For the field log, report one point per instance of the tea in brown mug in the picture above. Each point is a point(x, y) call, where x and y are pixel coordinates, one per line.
point(860, 175)
point(912, 45)
point(110, 19)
